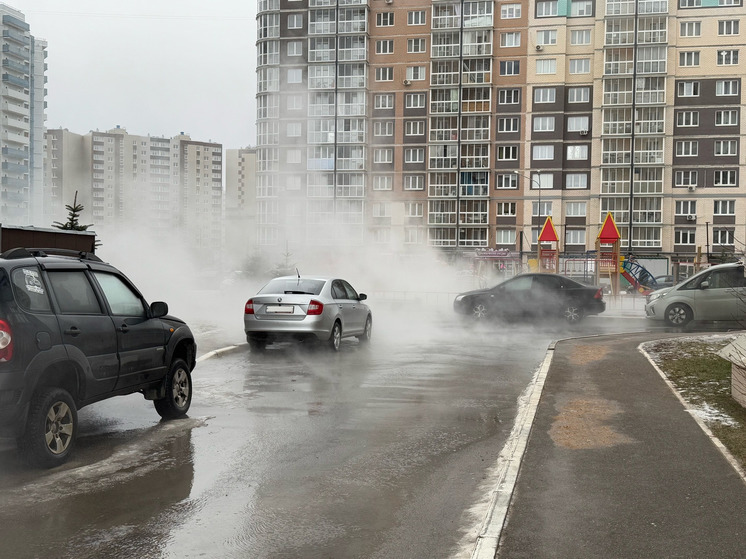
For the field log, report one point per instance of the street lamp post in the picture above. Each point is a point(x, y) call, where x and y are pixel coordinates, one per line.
point(537, 182)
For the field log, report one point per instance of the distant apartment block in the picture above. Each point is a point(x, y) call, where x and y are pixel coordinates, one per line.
point(464, 124)
point(22, 117)
point(240, 202)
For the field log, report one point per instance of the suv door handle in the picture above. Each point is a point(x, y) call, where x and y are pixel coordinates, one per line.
point(73, 331)
point(123, 329)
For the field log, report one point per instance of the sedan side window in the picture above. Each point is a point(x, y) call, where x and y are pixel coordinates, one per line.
point(521, 283)
point(122, 300)
point(74, 293)
point(338, 290)
point(351, 293)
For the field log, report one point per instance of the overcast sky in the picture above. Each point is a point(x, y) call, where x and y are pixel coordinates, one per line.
point(156, 67)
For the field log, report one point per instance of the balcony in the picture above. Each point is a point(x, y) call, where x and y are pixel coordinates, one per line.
point(13, 80)
point(14, 183)
point(16, 37)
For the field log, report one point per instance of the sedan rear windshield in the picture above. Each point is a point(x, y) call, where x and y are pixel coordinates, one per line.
point(293, 285)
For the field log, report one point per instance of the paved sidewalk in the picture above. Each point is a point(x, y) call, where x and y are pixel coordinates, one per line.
point(616, 467)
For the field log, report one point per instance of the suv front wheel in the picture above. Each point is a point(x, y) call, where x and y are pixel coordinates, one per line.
point(178, 392)
point(51, 428)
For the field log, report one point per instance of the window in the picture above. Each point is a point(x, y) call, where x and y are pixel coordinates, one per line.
point(686, 178)
point(385, 46)
point(383, 182)
point(684, 236)
point(689, 58)
point(295, 75)
point(381, 209)
point(383, 128)
point(722, 237)
point(687, 148)
point(74, 293)
point(414, 155)
point(414, 100)
point(383, 101)
point(414, 182)
point(578, 94)
point(687, 118)
point(507, 153)
point(690, 29)
point(510, 39)
point(505, 236)
point(416, 18)
point(727, 117)
point(385, 74)
point(727, 57)
point(546, 8)
point(577, 124)
point(509, 96)
point(690, 3)
point(581, 8)
point(385, 19)
point(383, 155)
point(294, 102)
point(293, 156)
point(29, 290)
point(293, 129)
point(543, 124)
point(510, 11)
point(575, 209)
point(295, 21)
point(510, 67)
point(577, 153)
point(542, 209)
point(122, 300)
point(506, 209)
point(580, 65)
point(295, 48)
point(414, 128)
point(726, 147)
point(545, 95)
point(546, 37)
point(546, 66)
point(686, 207)
point(687, 89)
point(729, 27)
point(724, 207)
point(416, 45)
point(580, 37)
point(725, 178)
point(726, 87)
point(508, 124)
point(414, 209)
point(416, 73)
point(575, 237)
point(542, 153)
point(576, 180)
point(506, 181)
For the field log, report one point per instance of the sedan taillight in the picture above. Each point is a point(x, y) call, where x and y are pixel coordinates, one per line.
point(315, 307)
point(599, 294)
point(6, 342)
point(249, 309)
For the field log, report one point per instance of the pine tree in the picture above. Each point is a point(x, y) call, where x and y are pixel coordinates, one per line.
point(73, 223)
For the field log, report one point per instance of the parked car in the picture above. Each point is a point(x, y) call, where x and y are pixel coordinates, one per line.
point(305, 308)
point(716, 293)
point(533, 295)
point(73, 331)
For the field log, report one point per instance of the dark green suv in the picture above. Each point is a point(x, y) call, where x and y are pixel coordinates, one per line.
point(73, 331)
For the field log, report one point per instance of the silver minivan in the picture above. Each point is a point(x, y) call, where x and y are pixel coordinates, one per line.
point(716, 293)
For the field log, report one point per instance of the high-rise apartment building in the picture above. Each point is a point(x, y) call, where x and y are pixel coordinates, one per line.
point(22, 117)
point(240, 203)
point(464, 124)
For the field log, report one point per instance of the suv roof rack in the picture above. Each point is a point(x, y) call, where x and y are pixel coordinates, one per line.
point(22, 252)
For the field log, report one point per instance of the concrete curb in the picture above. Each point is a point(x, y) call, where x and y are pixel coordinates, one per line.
point(219, 352)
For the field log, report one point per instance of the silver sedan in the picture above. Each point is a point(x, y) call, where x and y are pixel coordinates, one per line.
point(307, 308)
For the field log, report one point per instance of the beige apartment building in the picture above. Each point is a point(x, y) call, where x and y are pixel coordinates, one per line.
point(240, 204)
point(462, 125)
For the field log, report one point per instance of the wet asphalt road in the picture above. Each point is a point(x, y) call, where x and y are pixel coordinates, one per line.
point(375, 452)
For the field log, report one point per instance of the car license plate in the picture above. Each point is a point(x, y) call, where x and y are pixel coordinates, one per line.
point(280, 309)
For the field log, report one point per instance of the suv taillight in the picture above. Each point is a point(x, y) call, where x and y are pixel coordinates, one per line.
point(6, 342)
point(249, 307)
point(315, 307)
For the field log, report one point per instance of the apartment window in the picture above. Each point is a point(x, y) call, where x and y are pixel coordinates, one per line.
point(510, 11)
point(546, 8)
point(575, 209)
point(416, 73)
point(381, 209)
point(416, 18)
point(543, 124)
point(293, 156)
point(545, 95)
point(507, 153)
point(690, 3)
point(542, 153)
point(383, 101)
point(383, 128)
point(414, 182)
point(725, 178)
point(385, 74)
point(687, 89)
point(414, 128)
point(510, 67)
point(416, 45)
point(726, 147)
point(724, 207)
point(414, 155)
point(577, 153)
point(581, 8)
point(578, 94)
point(546, 37)
point(546, 66)
point(506, 209)
point(729, 27)
point(577, 124)
point(576, 181)
point(506, 181)
point(687, 148)
point(727, 57)
point(729, 2)
point(726, 87)
point(689, 58)
point(385, 19)
point(687, 118)
point(686, 178)
point(295, 21)
point(580, 66)
point(385, 46)
point(383, 182)
point(295, 48)
point(575, 237)
point(509, 96)
point(728, 117)
point(414, 100)
point(684, 236)
point(295, 75)
point(505, 236)
point(580, 37)
point(685, 207)
point(383, 155)
point(293, 129)
point(414, 209)
point(690, 29)
point(542, 209)
point(508, 124)
point(510, 39)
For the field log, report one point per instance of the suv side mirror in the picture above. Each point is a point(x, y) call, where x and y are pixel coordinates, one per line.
point(158, 309)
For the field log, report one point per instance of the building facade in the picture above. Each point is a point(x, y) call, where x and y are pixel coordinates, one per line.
point(240, 204)
point(464, 124)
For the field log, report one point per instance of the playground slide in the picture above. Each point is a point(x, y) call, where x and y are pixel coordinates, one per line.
point(639, 278)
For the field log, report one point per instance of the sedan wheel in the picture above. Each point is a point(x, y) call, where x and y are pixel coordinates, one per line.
point(678, 315)
point(479, 311)
point(335, 339)
point(573, 314)
point(367, 331)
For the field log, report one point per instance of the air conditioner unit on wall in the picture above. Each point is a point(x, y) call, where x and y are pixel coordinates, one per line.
point(389, 1)
point(690, 217)
point(584, 132)
point(407, 82)
point(539, 48)
point(692, 188)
